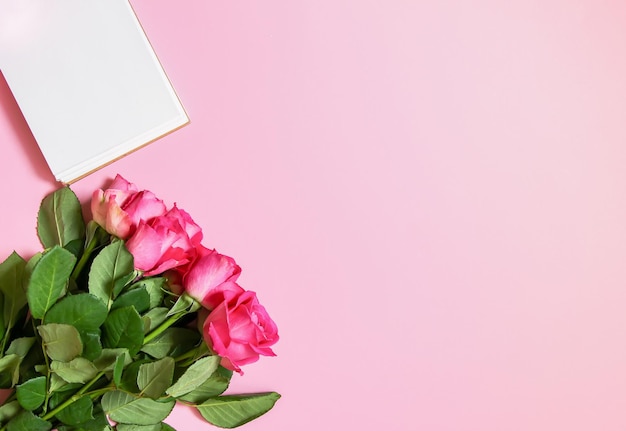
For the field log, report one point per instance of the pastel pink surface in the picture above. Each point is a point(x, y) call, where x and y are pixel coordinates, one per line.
point(428, 198)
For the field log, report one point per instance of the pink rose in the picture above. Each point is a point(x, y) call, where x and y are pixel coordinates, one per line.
point(193, 231)
point(209, 277)
point(240, 330)
point(120, 208)
point(165, 242)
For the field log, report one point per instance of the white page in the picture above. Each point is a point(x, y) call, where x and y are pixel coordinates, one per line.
point(86, 80)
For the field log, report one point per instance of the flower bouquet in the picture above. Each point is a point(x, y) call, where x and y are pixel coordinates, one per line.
point(120, 318)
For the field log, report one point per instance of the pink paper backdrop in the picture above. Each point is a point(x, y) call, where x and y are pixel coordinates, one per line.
point(428, 196)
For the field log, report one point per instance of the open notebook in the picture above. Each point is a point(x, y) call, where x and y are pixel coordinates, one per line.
point(86, 79)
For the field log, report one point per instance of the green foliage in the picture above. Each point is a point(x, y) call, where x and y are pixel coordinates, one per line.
point(155, 377)
point(78, 370)
point(21, 346)
point(129, 427)
point(72, 310)
point(194, 376)
point(111, 270)
point(156, 427)
point(172, 342)
point(60, 219)
point(9, 370)
point(9, 410)
point(49, 279)
point(12, 290)
point(80, 412)
point(231, 411)
point(118, 369)
point(92, 347)
point(62, 342)
point(128, 379)
point(138, 298)
point(130, 409)
point(124, 328)
point(84, 335)
point(109, 357)
point(184, 304)
point(212, 387)
point(3, 327)
point(154, 286)
point(154, 318)
point(27, 421)
point(31, 394)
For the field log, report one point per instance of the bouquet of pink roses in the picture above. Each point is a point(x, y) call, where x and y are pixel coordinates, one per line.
point(120, 318)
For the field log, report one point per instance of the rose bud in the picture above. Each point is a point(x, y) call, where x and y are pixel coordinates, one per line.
point(121, 207)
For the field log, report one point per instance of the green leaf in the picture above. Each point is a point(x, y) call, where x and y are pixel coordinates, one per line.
point(118, 369)
point(98, 423)
point(138, 298)
point(184, 304)
point(172, 342)
point(124, 328)
point(110, 271)
point(212, 387)
point(155, 377)
point(11, 286)
point(128, 381)
point(154, 286)
point(166, 427)
point(9, 410)
point(109, 357)
point(9, 370)
point(59, 397)
point(130, 427)
point(154, 318)
point(84, 311)
point(231, 411)
point(62, 342)
point(78, 370)
point(75, 247)
point(31, 394)
point(57, 384)
point(48, 280)
point(97, 233)
point(79, 412)
point(3, 328)
point(34, 356)
point(60, 219)
point(28, 269)
point(92, 347)
point(27, 421)
point(194, 376)
point(21, 346)
point(128, 409)
point(72, 310)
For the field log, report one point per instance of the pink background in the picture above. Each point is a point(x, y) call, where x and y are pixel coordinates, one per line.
point(428, 197)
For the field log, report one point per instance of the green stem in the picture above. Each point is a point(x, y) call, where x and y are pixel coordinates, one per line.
point(84, 258)
point(45, 357)
point(188, 355)
point(4, 340)
point(90, 383)
point(77, 395)
point(95, 394)
point(162, 327)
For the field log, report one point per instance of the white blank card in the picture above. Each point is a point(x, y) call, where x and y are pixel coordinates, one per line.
point(86, 79)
